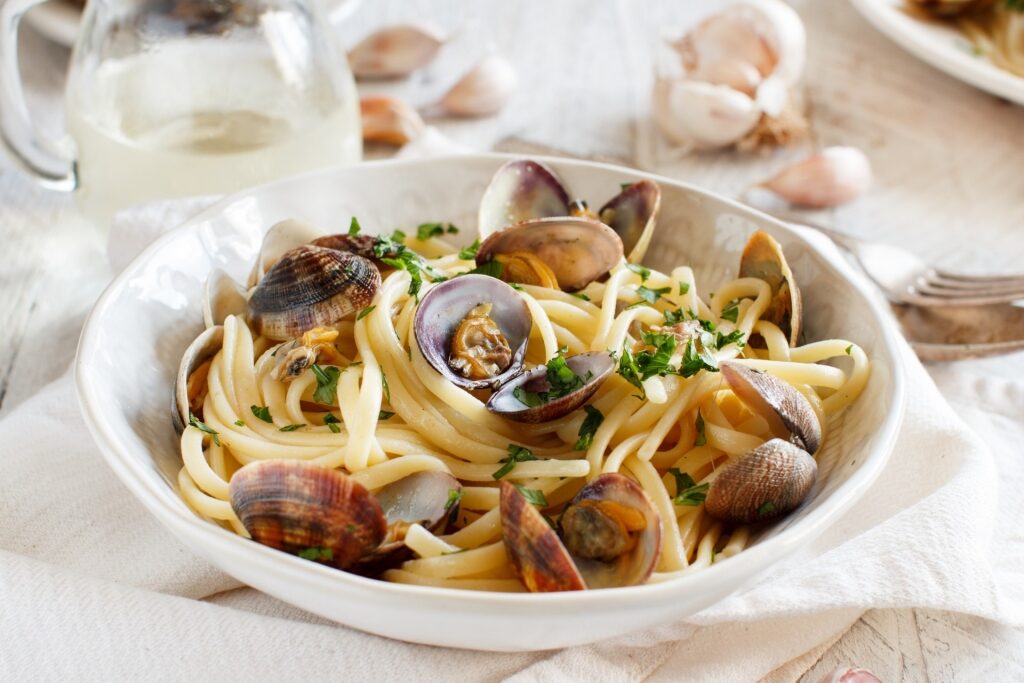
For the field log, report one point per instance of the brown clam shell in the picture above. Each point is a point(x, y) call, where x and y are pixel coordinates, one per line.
point(632, 214)
point(636, 565)
point(578, 250)
point(763, 259)
point(785, 408)
point(762, 484)
point(311, 287)
point(297, 506)
point(536, 553)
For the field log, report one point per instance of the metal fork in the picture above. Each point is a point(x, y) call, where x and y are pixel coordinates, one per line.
point(906, 279)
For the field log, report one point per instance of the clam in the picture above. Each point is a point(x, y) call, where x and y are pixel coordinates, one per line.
point(190, 384)
point(786, 409)
point(311, 287)
point(521, 190)
point(762, 484)
point(473, 330)
point(577, 250)
point(632, 214)
point(279, 239)
point(222, 296)
point(610, 537)
point(367, 246)
point(425, 498)
point(309, 510)
point(954, 8)
point(763, 259)
point(591, 369)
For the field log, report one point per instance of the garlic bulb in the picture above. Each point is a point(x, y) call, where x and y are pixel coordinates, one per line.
point(730, 70)
point(832, 176)
point(389, 121)
point(394, 52)
point(483, 90)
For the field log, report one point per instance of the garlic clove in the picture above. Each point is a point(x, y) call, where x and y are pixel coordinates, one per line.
point(483, 90)
point(394, 52)
point(701, 114)
point(832, 176)
point(735, 73)
point(389, 121)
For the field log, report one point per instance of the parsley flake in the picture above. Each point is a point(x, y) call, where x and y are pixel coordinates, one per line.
point(702, 437)
point(651, 295)
point(516, 455)
point(491, 269)
point(366, 311)
point(731, 311)
point(766, 509)
point(533, 496)
point(640, 270)
point(734, 337)
point(386, 388)
point(588, 428)
point(326, 383)
point(262, 412)
point(688, 492)
point(581, 295)
point(684, 288)
point(424, 231)
point(194, 421)
point(291, 428)
point(239, 423)
point(332, 422)
point(469, 253)
point(849, 350)
point(354, 227)
point(385, 415)
point(454, 498)
point(317, 554)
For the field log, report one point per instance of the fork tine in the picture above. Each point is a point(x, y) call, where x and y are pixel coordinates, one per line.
point(959, 279)
point(1011, 290)
point(921, 298)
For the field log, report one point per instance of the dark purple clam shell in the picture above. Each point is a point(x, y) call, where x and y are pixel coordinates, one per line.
point(504, 402)
point(447, 304)
point(521, 190)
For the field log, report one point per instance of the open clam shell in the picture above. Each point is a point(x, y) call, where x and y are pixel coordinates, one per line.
point(222, 296)
point(202, 349)
point(762, 484)
point(592, 368)
point(536, 553)
point(308, 510)
point(311, 287)
point(279, 239)
point(426, 498)
point(577, 250)
point(521, 190)
point(762, 258)
point(632, 214)
point(446, 305)
point(786, 409)
point(612, 532)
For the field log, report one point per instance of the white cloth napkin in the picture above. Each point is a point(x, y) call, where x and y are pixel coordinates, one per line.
point(91, 587)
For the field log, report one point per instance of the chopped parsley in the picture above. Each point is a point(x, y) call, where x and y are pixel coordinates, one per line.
point(291, 428)
point(398, 236)
point(625, 186)
point(677, 316)
point(562, 381)
point(424, 231)
point(469, 253)
point(366, 311)
point(332, 422)
point(516, 286)
point(581, 295)
point(734, 337)
point(387, 389)
point(454, 498)
point(640, 270)
point(385, 415)
point(651, 295)
point(694, 361)
point(702, 437)
point(516, 455)
point(766, 509)
point(688, 492)
point(262, 412)
point(588, 428)
point(630, 371)
point(317, 554)
point(326, 383)
point(354, 227)
point(203, 427)
point(731, 311)
point(533, 496)
point(490, 269)
point(849, 350)
point(239, 423)
point(412, 264)
point(684, 288)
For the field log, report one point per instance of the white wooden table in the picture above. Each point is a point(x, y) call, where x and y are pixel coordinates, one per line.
point(950, 186)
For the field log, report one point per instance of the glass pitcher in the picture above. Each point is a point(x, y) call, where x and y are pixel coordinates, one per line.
point(168, 98)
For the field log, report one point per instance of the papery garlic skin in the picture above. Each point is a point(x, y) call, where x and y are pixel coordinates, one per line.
point(702, 115)
point(394, 52)
point(834, 175)
point(389, 121)
point(483, 90)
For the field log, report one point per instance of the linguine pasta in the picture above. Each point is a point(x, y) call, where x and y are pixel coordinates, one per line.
point(386, 413)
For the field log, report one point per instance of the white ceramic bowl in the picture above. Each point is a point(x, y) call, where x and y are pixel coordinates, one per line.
point(134, 338)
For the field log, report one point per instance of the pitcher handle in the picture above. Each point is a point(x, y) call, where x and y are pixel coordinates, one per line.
point(36, 153)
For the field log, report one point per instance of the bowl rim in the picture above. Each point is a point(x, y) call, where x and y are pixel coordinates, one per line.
point(186, 525)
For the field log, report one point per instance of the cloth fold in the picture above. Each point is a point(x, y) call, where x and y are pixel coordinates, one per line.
point(93, 586)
